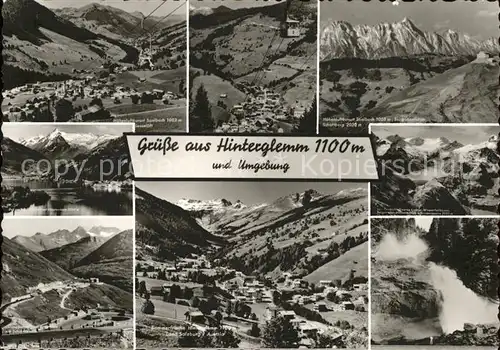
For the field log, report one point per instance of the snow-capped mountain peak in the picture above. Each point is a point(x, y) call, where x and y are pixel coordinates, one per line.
point(213, 205)
point(100, 231)
point(417, 146)
point(85, 140)
point(340, 39)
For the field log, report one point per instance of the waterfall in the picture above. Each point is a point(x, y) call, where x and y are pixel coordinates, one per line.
point(391, 248)
point(459, 304)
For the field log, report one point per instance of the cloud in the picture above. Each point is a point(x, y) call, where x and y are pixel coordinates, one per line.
point(442, 25)
point(486, 13)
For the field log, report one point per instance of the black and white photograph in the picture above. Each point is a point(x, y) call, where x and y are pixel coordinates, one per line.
point(253, 66)
point(67, 283)
point(434, 282)
point(89, 60)
point(443, 169)
point(415, 62)
point(66, 169)
point(251, 265)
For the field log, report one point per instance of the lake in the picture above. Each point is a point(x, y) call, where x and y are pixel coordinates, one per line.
point(74, 200)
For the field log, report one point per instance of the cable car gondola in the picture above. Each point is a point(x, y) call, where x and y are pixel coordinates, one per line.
point(290, 28)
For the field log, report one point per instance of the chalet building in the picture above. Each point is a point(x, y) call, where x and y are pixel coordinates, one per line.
point(195, 317)
point(272, 312)
point(93, 113)
point(289, 314)
point(320, 307)
point(308, 330)
point(360, 286)
point(325, 283)
point(156, 290)
point(347, 305)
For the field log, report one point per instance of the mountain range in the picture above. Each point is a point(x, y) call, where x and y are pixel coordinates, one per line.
point(436, 174)
point(341, 39)
point(86, 149)
point(13, 165)
point(390, 71)
point(222, 216)
point(53, 240)
point(114, 20)
point(205, 11)
point(23, 268)
point(103, 252)
point(314, 235)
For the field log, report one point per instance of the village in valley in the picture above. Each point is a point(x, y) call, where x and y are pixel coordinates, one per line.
point(114, 65)
point(203, 297)
point(263, 111)
point(67, 287)
point(252, 67)
point(97, 324)
point(216, 273)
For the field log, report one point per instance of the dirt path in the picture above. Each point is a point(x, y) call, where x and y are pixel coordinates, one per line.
point(4, 310)
point(63, 299)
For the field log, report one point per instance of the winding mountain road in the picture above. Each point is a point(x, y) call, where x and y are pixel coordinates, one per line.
point(63, 299)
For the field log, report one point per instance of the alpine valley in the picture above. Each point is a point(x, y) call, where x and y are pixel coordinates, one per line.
point(393, 72)
point(244, 259)
point(256, 77)
point(52, 282)
point(436, 176)
point(108, 61)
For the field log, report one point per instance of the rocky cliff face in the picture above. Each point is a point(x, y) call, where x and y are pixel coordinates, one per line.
point(475, 239)
point(434, 196)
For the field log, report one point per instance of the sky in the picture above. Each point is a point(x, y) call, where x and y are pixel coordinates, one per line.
point(28, 227)
point(18, 131)
point(249, 193)
point(469, 134)
point(234, 4)
point(144, 6)
point(478, 19)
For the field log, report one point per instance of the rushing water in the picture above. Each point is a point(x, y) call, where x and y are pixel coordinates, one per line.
point(73, 200)
point(459, 304)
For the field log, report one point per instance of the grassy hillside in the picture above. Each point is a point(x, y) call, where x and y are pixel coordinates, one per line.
point(245, 46)
point(15, 154)
point(355, 260)
point(102, 294)
point(453, 96)
point(40, 45)
point(112, 262)
point(164, 230)
point(69, 255)
point(23, 268)
point(300, 239)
